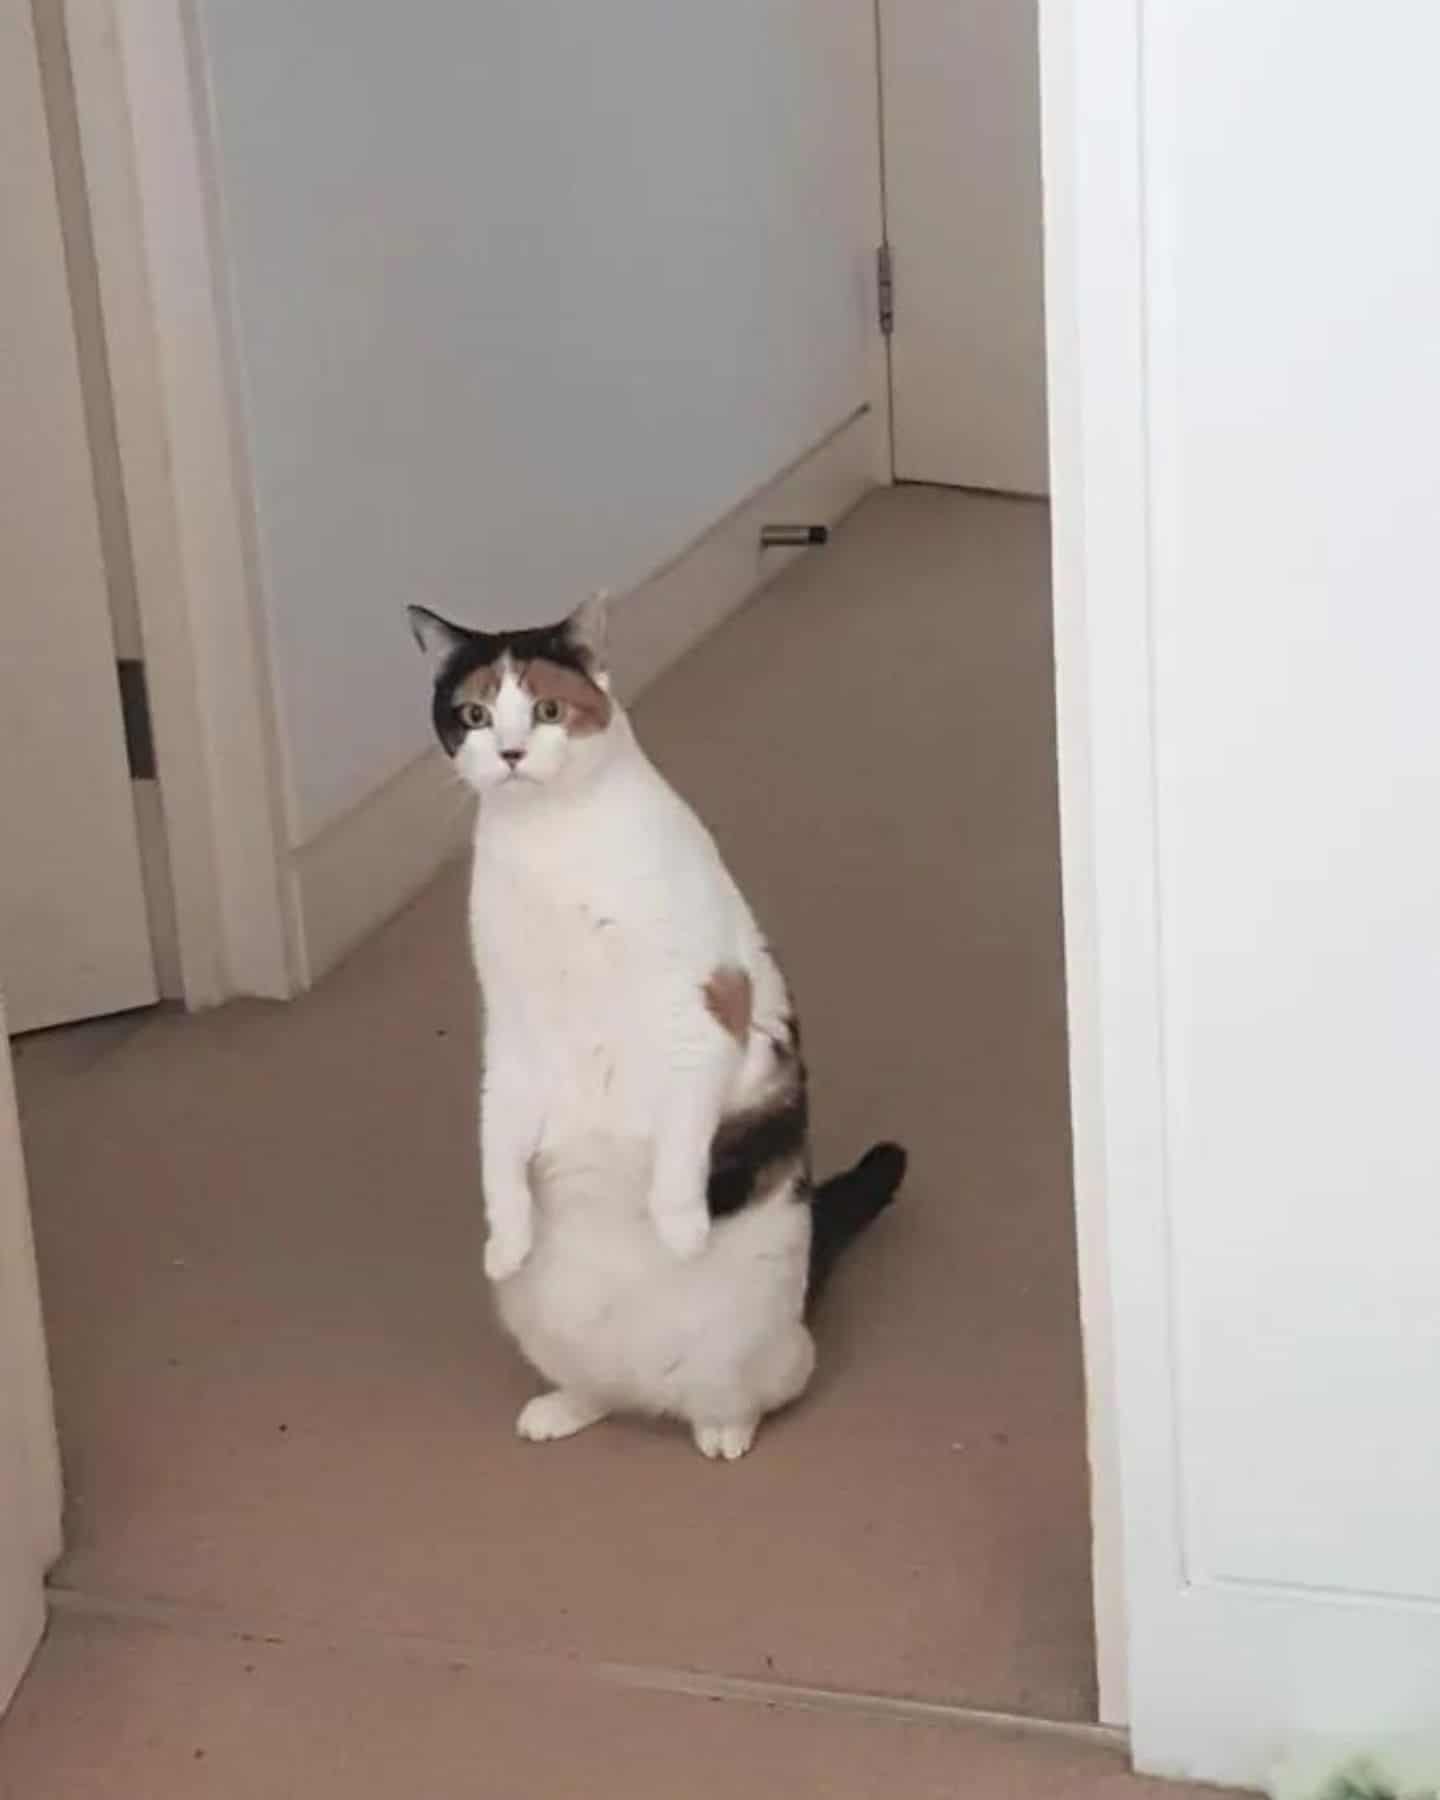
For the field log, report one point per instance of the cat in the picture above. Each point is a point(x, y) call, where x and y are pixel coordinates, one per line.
point(654, 1239)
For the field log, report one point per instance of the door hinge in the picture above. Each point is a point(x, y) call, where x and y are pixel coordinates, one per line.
point(885, 289)
point(135, 711)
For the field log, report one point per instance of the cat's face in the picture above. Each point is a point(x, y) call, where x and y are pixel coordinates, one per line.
point(519, 710)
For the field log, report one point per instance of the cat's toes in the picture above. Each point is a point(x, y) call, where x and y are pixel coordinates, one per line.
point(505, 1254)
point(725, 1442)
point(683, 1233)
point(557, 1415)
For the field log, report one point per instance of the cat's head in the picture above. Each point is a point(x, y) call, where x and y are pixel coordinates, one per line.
point(520, 709)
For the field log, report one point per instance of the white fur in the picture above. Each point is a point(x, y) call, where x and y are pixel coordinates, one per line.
point(599, 910)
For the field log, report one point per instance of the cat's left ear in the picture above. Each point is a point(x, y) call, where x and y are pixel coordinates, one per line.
point(437, 637)
point(587, 629)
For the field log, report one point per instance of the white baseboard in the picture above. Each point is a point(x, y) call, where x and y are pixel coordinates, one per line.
point(364, 867)
point(683, 602)
point(359, 871)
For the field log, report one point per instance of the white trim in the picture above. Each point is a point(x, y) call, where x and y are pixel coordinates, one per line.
point(361, 869)
point(146, 160)
point(878, 384)
point(57, 78)
point(1091, 306)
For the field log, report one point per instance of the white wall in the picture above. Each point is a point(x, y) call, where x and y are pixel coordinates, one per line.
point(1247, 381)
point(525, 296)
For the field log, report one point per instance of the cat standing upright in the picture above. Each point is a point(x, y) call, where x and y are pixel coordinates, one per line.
point(654, 1236)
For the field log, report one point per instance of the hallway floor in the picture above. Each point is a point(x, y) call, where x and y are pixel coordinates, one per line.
point(306, 1553)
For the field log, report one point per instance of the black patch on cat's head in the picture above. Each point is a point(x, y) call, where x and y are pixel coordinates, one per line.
point(457, 652)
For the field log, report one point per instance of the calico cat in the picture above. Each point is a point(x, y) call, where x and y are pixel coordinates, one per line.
point(654, 1237)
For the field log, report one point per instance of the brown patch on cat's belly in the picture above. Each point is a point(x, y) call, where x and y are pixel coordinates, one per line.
point(729, 1000)
point(589, 706)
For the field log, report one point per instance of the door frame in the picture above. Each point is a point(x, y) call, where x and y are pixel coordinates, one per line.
point(1032, 485)
point(140, 96)
point(1090, 122)
point(138, 88)
point(1214, 1671)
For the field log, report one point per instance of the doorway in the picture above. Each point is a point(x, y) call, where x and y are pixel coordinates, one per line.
point(267, 1431)
point(279, 1287)
point(960, 136)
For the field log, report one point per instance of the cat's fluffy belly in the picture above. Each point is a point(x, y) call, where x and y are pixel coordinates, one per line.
point(602, 1308)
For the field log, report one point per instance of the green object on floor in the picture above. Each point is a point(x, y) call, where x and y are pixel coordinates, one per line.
point(1399, 1768)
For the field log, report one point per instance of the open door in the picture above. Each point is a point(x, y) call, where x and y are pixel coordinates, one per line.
point(960, 105)
point(1245, 380)
point(29, 1464)
point(74, 934)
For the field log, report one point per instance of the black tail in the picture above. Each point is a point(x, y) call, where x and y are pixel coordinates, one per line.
point(845, 1204)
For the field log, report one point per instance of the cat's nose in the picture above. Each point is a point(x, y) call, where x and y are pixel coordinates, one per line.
point(512, 757)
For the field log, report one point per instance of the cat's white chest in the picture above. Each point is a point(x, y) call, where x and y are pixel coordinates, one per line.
point(560, 959)
point(577, 975)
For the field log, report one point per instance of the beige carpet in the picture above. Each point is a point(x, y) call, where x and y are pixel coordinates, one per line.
point(136, 1713)
point(283, 1407)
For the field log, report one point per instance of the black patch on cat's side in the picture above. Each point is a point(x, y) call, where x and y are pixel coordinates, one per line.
point(750, 1147)
point(482, 650)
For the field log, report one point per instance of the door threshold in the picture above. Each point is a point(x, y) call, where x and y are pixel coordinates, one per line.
point(426, 1647)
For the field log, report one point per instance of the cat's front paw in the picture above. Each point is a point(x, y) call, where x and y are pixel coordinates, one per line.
point(505, 1253)
point(683, 1231)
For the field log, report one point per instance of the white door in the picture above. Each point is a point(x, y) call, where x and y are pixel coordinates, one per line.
point(960, 101)
point(73, 934)
point(1243, 237)
point(29, 1465)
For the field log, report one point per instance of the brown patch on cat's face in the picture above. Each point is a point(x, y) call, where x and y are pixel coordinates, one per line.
point(587, 706)
point(480, 684)
point(729, 1000)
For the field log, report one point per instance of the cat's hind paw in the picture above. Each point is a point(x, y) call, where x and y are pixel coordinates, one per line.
point(725, 1443)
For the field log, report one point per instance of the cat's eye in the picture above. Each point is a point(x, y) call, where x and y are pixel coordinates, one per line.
point(474, 716)
point(549, 712)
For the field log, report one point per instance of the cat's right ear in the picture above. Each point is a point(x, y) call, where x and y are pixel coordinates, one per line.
point(437, 637)
point(588, 626)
